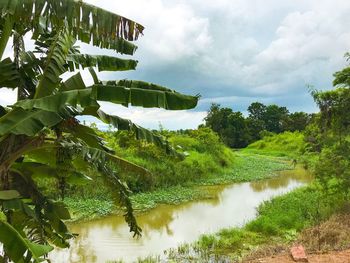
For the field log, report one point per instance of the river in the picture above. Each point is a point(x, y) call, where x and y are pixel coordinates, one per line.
point(167, 226)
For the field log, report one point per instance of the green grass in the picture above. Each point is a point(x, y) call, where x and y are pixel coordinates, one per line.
point(173, 180)
point(246, 167)
point(87, 209)
point(288, 144)
point(251, 167)
point(279, 221)
point(173, 195)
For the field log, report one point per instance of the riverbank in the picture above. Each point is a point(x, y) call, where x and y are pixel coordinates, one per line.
point(246, 167)
point(166, 226)
point(305, 215)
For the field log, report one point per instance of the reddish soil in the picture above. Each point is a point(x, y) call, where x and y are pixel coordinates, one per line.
point(329, 257)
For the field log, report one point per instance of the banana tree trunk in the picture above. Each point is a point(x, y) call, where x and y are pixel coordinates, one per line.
point(11, 149)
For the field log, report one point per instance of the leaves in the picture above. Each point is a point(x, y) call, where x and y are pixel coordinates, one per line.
point(9, 194)
point(30, 122)
point(9, 75)
point(342, 78)
point(79, 179)
point(6, 28)
point(16, 246)
point(54, 64)
point(84, 22)
point(116, 94)
point(103, 63)
point(147, 98)
point(35, 169)
point(126, 125)
point(48, 105)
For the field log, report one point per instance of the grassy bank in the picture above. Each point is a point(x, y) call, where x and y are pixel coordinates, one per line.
point(90, 203)
point(288, 144)
point(278, 223)
point(309, 215)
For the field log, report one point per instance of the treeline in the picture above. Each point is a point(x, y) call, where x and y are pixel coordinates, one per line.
point(237, 131)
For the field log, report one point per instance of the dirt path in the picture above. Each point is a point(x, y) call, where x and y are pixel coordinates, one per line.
point(330, 257)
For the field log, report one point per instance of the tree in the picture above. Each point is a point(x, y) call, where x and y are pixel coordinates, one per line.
point(275, 117)
point(40, 135)
point(297, 121)
point(257, 111)
point(333, 124)
point(255, 128)
point(230, 126)
point(216, 117)
point(334, 110)
point(236, 134)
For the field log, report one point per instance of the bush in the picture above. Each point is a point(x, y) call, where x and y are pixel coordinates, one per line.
point(206, 156)
point(289, 144)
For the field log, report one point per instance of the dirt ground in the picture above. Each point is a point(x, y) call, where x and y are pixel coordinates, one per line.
point(331, 236)
point(329, 257)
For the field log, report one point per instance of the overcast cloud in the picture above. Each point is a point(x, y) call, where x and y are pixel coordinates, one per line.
point(233, 52)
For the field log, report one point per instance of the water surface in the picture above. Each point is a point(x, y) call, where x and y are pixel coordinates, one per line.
point(167, 226)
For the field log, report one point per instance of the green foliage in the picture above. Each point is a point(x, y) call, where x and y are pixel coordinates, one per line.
point(289, 144)
point(205, 156)
point(236, 131)
point(334, 107)
point(333, 168)
point(87, 208)
point(230, 126)
point(278, 221)
point(17, 246)
point(41, 141)
point(342, 78)
point(332, 130)
point(166, 187)
point(85, 22)
point(172, 195)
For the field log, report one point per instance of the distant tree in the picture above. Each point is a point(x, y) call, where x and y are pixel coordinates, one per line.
point(230, 126)
point(216, 118)
point(275, 118)
point(257, 111)
point(255, 128)
point(237, 134)
point(297, 121)
point(237, 131)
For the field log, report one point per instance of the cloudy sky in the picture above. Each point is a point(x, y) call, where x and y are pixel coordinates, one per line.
point(232, 52)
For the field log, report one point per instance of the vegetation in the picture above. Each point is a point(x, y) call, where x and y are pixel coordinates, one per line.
point(289, 144)
point(173, 180)
point(302, 212)
point(278, 222)
point(330, 136)
point(236, 131)
point(40, 135)
point(50, 162)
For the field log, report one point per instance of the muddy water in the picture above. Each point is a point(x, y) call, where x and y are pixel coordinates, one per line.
point(108, 239)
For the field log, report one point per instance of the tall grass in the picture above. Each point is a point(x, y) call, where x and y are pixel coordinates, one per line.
point(289, 144)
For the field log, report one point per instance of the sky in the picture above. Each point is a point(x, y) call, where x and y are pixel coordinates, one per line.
point(231, 52)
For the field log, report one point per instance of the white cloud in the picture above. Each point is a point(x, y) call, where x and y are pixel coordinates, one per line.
point(151, 118)
point(7, 97)
point(172, 32)
point(233, 51)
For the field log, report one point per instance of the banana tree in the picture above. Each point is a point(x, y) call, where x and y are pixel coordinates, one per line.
point(40, 134)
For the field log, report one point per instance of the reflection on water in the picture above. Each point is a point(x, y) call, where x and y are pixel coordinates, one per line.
point(283, 180)
point(167, 226)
